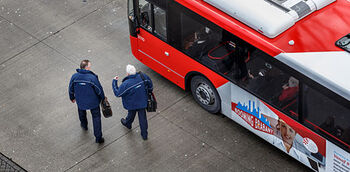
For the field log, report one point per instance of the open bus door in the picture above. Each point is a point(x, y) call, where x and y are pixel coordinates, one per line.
point(133, 25)
point(150, 27)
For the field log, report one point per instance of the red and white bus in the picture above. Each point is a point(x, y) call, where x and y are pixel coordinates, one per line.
point(277, 67)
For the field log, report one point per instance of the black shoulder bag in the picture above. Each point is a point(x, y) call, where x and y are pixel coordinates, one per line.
point(151, 99)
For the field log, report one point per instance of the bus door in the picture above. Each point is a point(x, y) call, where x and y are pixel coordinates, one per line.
point(133, 26)
point(152, 39)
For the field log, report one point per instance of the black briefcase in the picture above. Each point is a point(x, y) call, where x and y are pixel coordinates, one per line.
point(106, 108)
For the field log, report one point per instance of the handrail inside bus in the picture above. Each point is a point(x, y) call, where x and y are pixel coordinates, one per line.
point(327, 133)
point(289, 104)
point(222, 57)
point(319, 128)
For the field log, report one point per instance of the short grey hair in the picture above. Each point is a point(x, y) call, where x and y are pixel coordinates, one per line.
point(130, 69)
point(292, 82)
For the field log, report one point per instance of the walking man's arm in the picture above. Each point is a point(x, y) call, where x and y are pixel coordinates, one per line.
point(98, 89)
point(118, 91)
point(71, 90)
point(150, 84)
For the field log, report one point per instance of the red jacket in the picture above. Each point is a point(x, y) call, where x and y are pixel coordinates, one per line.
point(288, 94)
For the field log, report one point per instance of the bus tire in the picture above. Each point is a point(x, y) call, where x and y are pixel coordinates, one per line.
point(205, 94)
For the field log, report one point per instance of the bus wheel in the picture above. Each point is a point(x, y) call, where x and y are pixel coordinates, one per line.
point(205, 94)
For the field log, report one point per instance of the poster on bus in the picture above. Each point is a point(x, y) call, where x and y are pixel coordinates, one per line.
point(337, 160)
point(276, 128)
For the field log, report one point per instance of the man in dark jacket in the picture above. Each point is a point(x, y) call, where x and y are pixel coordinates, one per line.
point(134, 97)
point(86, 90)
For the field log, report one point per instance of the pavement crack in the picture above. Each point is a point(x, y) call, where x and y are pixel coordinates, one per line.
point(17, 54)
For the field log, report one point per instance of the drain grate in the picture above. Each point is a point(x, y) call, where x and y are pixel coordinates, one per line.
point(7, 165)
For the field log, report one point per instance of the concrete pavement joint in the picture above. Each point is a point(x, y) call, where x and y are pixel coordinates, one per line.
point(41, 41)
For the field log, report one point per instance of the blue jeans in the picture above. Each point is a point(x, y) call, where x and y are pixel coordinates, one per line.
point(96, 120)
point(142, 120)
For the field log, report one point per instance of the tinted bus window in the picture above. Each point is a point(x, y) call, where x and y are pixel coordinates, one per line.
point(326, 116)
point(160, 22)
point(197, 36)
point(145, 15)
point(266, 80)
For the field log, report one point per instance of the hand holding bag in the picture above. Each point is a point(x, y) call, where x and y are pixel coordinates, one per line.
point(151, 99)
point(106, 108)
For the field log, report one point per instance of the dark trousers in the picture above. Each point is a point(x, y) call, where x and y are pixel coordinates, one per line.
point(142, 119)
point(96, 120)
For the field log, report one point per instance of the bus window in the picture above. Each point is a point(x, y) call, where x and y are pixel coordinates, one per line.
point(270, 83)
point(202, 40)
point(131, 10)
point(324, 115)
point(145, 15)
point(197, 35)
point(160, 22)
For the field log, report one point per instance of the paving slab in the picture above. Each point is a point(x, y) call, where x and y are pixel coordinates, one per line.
point(13, 40)
point(42, 18)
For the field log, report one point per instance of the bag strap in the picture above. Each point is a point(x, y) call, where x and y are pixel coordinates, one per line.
point(143, 78)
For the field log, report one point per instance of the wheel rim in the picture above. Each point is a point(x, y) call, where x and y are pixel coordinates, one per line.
point(205, 94)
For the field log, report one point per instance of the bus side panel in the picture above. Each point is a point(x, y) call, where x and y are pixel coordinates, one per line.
point(170, 62)
point(273, 126)
point(184, 64)
point(151, 52)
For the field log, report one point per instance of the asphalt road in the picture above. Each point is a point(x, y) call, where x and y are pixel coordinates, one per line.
point(41, 45)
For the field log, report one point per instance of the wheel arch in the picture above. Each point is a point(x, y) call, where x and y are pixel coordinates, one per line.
point(189, 76)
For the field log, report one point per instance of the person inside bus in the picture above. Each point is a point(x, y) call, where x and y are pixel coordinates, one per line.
point(197, 43)
point(290, 90)
point(145, 11)
point(144, 19)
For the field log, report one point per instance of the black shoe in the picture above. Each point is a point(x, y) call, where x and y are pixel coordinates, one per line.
point(144, 138)
point(101, 140)
point(124, 123)
point(84, 128)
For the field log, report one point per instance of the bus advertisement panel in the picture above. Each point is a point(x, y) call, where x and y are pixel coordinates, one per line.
point(281, 131)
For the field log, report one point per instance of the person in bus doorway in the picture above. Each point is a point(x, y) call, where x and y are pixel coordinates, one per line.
point(134, 97)
point(85, 89)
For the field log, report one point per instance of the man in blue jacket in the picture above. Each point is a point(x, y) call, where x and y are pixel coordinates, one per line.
point(134, 97)
point(86, 90)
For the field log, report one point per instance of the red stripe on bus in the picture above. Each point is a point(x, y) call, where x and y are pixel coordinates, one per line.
point(326, 132)
point(289, 104)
